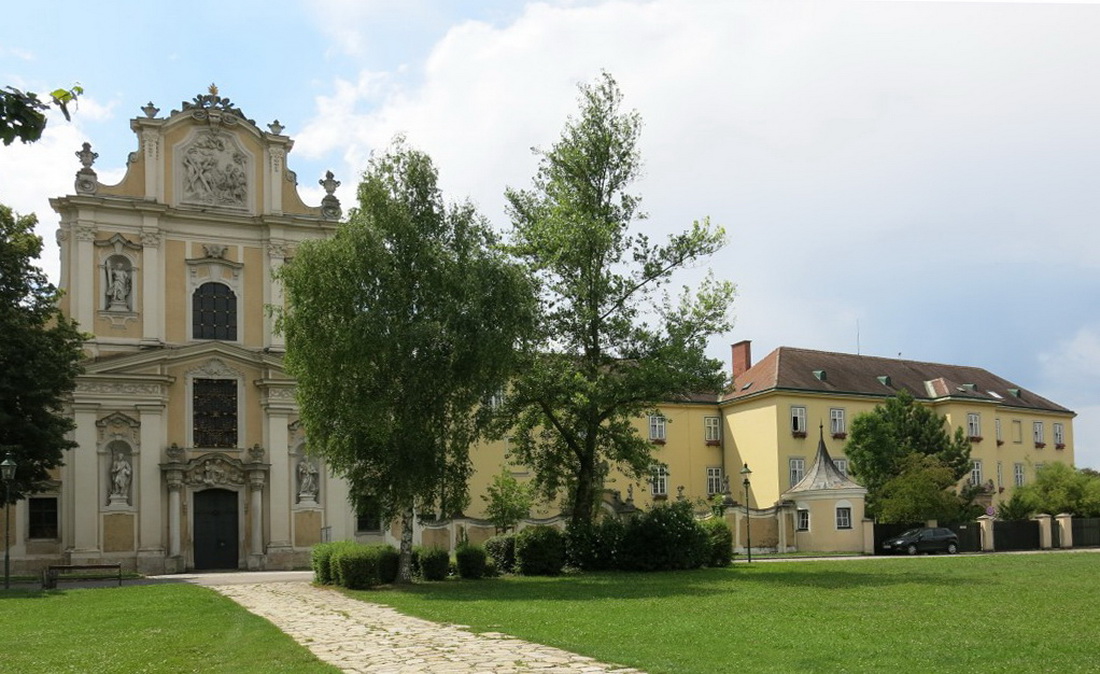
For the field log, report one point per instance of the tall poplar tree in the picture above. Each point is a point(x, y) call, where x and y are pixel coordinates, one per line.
point(612, 344)
point(40, 356)
point(399, 329)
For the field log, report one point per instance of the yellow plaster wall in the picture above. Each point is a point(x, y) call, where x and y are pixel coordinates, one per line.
point(751, 438)
point(307, 528)
point(118, 532)
point(176, 323)
point(133, 183)
point(252, 304)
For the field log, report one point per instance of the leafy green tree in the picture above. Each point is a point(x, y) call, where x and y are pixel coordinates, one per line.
point(1060, 488)
point(22, 113)
point(881, 441)
point(508, 501)
point(920, 492)
point(1016, 507)
point(398, 329)
point(611, 345)
point(40, 356)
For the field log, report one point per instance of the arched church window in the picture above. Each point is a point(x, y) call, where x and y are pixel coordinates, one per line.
point(214, 312)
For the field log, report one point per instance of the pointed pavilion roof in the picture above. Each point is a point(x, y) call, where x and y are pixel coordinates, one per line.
point(823, 474)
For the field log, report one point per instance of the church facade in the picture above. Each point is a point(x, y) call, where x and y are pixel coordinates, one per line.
point(189, 452)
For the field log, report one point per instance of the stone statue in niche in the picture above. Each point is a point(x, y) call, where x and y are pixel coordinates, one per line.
point(119, 286)
point(214, 173)
point(307, 481)
point(121, 476)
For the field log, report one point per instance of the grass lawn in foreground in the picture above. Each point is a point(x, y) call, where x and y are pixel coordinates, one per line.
point(142, 628)
point(989, 613)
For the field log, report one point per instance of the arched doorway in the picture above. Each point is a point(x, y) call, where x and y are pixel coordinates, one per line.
point(216, 536)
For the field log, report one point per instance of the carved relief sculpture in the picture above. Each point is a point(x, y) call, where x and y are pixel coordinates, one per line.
point(214, 172)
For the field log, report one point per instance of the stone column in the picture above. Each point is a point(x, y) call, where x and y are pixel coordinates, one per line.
point(147, 490)
point(85, 271)
point(175, 487)
point(1044, 530)
point(152, 286)
point(281, 494)
point(256, 557)
point(273, 291)
point(86, 500)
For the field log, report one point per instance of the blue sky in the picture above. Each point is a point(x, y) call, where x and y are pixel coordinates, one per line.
point(913, 178)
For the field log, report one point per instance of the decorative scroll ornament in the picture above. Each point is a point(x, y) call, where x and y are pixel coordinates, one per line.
point(203, 103)
point(214, 471)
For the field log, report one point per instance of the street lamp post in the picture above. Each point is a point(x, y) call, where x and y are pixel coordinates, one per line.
point(748, 519)
point(7, 472)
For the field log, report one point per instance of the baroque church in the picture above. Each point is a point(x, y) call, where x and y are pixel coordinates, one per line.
point(189, 452)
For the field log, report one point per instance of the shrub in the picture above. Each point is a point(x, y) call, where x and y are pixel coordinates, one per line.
point(321, 561)
point(471, 561)
point(667, 537)
point(359, 567)
point(502, 551)
point(719, 542)
point(595, 547)
point(540, 551)
point(434, 563)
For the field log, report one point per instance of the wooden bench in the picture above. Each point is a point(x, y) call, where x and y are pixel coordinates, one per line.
point(53, 572)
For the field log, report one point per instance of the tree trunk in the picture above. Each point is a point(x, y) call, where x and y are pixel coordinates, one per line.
point(404, 565)
point(582, 497)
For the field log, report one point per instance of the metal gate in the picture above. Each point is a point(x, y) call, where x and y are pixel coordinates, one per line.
point(970, 536)
point(1016, 535)
point(1086, 532)
point(1055, 534)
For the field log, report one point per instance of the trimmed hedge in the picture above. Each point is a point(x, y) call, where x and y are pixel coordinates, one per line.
point(502, 552)
point(719, 542)
point(540, 551)
point(596, 547)
point(360, 567)
point(471, 561)
point(321, 560)
point(434, 562)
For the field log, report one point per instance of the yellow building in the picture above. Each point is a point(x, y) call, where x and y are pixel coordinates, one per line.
point(190, 454)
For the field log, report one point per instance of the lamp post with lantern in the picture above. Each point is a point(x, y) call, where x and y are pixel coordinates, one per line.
point(7, 472)
point(745, 472)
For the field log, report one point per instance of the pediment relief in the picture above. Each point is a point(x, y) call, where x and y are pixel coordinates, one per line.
point(118, 426)
point(215, 368)
point(214, 470)
point(214, 169)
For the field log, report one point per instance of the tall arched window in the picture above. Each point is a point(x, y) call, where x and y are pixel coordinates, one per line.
point(214, 312)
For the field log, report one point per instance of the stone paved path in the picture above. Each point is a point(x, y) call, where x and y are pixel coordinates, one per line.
point(362, 637)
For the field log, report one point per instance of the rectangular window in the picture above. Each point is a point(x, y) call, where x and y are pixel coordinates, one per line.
point(1018, 474)
point(843, 518)
point(798, 420)
point(657, 428)
point(1059, 436)
point(1000, 476)
point(714, 480)
point(842, 466)
point(712, 429)
point(42, 517)
point(997, 430)
point(660, 481)
point(837, 425)
point(803, 523)
point(798, 470)
point(1037, 431)
point(974, 425)
point(976, 472)
point(1017, 431)
point(369, 517)
point(214, 412)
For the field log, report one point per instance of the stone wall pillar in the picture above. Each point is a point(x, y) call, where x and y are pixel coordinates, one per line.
point(1064, 522)
point(1044, 530)
point(256, 555)
point(86, 501)
point(152, 284)
point(868, 536)
point(986, 524)
point(175, 487)
point(282, 490)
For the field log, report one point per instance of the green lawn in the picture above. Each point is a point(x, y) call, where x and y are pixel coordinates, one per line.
point(990, 613)
point(141, 628)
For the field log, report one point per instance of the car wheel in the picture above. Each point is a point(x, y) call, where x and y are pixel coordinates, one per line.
point(952, 548)
point(912, 549)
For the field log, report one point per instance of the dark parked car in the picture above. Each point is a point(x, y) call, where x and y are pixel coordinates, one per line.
point(926, 539)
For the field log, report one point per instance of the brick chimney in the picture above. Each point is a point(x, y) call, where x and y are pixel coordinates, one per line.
point(742, 357)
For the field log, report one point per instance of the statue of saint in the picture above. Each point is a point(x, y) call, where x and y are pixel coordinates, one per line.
point(118, 287)
point(307, 479)
point(121, 473)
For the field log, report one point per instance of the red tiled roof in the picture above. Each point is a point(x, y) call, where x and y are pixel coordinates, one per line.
point(811, 371)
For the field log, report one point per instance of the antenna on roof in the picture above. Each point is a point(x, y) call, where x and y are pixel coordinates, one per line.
point(857, 337)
